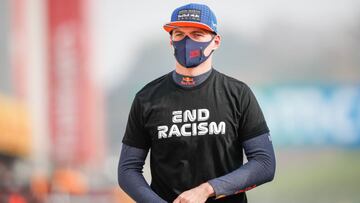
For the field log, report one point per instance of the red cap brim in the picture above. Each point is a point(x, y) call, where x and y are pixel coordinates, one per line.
point(168, 27)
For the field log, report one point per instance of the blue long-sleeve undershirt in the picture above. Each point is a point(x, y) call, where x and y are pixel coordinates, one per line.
point(130, 176)
point(259, 169)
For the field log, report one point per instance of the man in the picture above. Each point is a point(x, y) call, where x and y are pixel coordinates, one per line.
point(196, 121)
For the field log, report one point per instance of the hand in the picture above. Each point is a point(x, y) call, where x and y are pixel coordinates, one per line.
point(198, 194)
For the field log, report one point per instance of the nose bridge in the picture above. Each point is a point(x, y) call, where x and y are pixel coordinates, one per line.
point(187, 35)
point(185, 38)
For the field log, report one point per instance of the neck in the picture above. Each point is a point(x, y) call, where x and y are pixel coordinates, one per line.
point(190, 81)
point(198, 70)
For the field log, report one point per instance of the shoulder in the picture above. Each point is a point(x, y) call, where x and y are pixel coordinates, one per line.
point(232, 83)
point(153, 86)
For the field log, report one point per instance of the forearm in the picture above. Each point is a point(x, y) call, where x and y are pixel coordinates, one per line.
point(130, 176)
point(259, 169)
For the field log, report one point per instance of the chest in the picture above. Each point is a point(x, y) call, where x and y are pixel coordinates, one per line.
point(177, 118)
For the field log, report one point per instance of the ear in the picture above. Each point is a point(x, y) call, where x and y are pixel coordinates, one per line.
point(171, 43)
point(217, 41)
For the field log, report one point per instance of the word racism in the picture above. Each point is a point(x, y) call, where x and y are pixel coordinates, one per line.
point(193, 123)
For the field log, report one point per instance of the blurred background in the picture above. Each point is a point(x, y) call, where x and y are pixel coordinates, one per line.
point(69, 70)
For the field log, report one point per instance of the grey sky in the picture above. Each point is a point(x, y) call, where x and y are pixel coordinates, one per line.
point(121, 27)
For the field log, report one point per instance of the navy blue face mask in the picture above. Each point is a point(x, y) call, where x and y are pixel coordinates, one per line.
point(190, 53)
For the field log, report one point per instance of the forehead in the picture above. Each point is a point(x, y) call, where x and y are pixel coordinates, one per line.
point(189, 29)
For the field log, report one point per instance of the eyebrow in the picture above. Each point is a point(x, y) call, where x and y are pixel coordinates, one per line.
point(198, 31)
point(195, 31)
point(178, 31)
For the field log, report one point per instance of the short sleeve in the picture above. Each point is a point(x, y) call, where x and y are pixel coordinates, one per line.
point(252, 122)
point(135, 134)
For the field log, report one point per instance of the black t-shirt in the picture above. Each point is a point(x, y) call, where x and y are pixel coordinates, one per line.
point(194, 134)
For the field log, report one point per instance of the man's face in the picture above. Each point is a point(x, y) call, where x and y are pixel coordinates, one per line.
point(196, 34)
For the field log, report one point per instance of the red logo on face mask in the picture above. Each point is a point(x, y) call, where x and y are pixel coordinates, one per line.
point(194, 53)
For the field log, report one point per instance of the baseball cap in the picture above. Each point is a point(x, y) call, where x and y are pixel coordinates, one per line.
point(192, 15)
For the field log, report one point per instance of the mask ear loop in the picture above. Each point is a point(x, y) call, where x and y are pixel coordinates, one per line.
point(202, 50)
